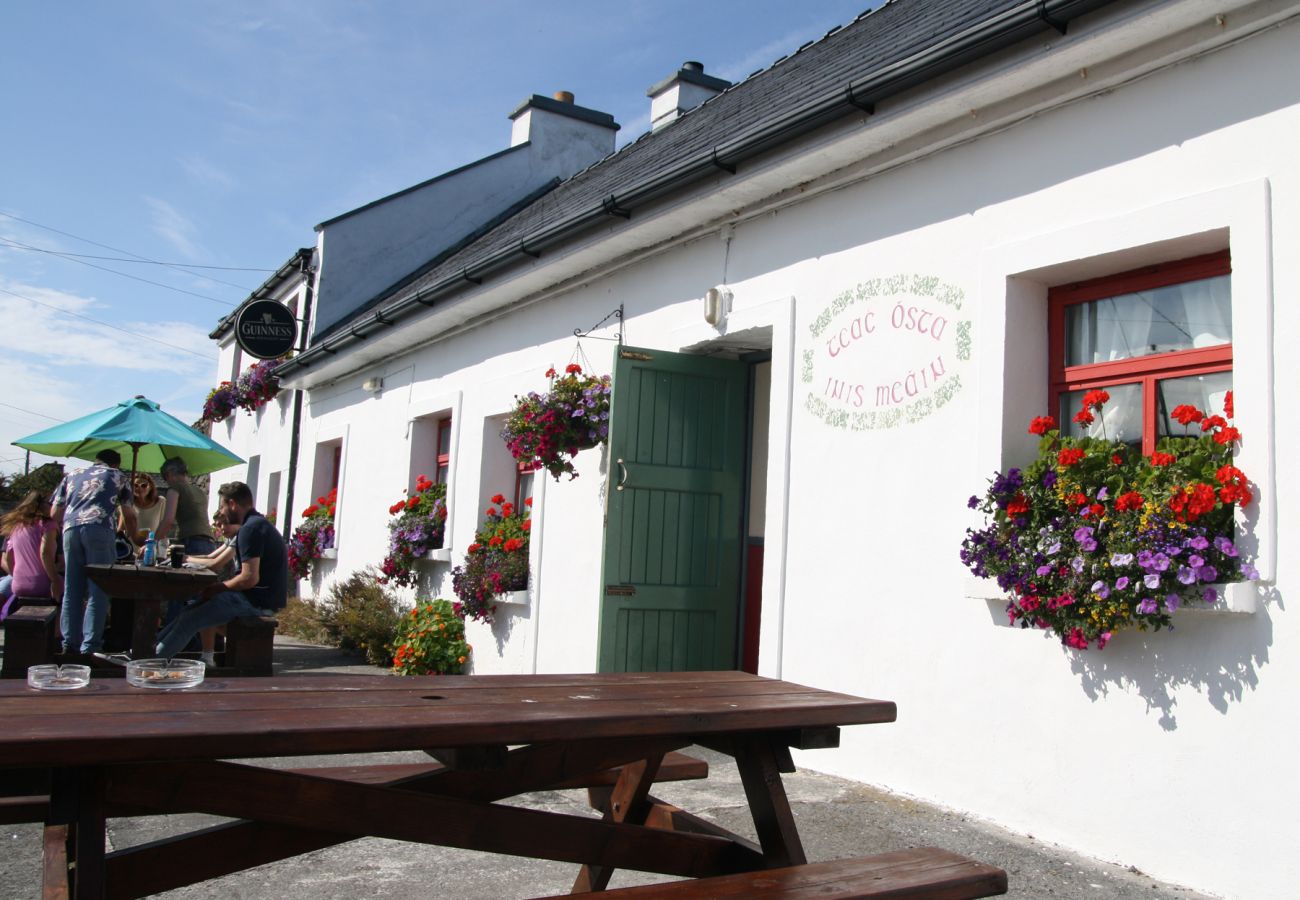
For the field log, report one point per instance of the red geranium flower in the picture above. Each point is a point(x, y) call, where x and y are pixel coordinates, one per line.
point(1127, 501)
point(1117, 459)
point(528, 502)
point(573, 369)
point(1227, 435)
point(1186, 414)
point(1229, 406)
point(411, 503)
point(1095, 399)
point(1212, 422)
point(1163, 459)
point(490, 511)
point(550, 373)
point(1042, 425)
point(1018, 505)
point(1084, 417)
point(498, 498)
point(1069, 456)
point(1229, 475)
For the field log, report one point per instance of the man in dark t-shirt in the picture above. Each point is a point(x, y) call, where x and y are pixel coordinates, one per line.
point(260, 586)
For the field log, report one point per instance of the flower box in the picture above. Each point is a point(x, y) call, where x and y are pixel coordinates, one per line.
point(442, 554)
point(330, 553)
point(1235, 598)
point(515, 598)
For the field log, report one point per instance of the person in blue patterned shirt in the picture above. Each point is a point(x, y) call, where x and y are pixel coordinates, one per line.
point(85, 507)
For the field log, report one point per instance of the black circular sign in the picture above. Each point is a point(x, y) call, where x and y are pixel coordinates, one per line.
point(265, 329)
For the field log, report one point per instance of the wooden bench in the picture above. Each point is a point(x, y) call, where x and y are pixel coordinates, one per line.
point(31, 636)
point(923, 872)
point(249, 642)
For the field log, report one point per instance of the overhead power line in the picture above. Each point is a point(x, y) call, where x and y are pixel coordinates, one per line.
point(30, 412)
point(180, 267)
point(143, 262)
point(128, 275)
point(143, 337)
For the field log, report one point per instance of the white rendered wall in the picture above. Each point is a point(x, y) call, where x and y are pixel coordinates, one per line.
point(1169, 752)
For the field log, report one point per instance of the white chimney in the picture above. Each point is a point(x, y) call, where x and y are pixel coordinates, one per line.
point(682, 91)
point(555, 126)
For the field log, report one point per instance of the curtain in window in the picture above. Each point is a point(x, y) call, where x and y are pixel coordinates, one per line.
point(1159, 320)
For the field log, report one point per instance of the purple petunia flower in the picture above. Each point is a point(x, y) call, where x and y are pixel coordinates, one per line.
point(1207, 574)
point(1186, 575)
point(1249, 572)
point(1147, 606)
point(1077, 564)
point(973, 502)
point(1121, 559)
point(1209, 595)
point(1103, 493)
point(1121, 582)
point(1101, 589)
point(1200, 542)
point(1172, 602)
point(1195, 561)
point(1151, 580)
point(1042, 570)
point(1225, 546)
point(1145, 559)
point(1049, 478)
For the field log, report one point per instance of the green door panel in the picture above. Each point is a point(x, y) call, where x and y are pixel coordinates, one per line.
point(673, 537)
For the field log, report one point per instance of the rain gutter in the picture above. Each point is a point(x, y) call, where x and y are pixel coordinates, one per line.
point(853, 98)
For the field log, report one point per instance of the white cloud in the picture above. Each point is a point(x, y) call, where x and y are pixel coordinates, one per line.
point(205, 173)
point(174, 227)
point(763, 56)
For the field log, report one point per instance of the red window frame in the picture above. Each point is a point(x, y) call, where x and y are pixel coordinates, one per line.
point(520, 474)
point(1143, 370)
point(442, 461)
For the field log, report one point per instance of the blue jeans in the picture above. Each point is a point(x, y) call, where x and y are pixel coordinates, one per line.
point(199, 545)
point(217, 610)
point(84, 545)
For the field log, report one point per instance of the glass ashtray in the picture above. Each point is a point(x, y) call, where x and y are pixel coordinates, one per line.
point(164, 673)
point(55, 677)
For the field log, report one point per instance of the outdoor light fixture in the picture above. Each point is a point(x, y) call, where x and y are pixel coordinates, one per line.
point(717, 303)
point(373, 385)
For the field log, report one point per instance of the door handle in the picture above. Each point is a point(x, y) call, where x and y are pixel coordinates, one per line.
point(622, 481)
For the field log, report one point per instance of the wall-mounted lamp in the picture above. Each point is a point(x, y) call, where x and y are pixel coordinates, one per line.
point(717, 303)
point(373, 385)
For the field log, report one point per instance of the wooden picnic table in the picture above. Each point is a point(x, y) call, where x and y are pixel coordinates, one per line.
point(148, 589)
point(112, 749)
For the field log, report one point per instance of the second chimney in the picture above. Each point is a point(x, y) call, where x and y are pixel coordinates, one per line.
point(681, 92)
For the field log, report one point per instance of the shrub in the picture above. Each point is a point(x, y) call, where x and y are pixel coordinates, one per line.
point(302, 619)
point(359, 614)
point(430, 641)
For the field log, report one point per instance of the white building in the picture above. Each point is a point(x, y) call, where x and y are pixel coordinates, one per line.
point(889, 209)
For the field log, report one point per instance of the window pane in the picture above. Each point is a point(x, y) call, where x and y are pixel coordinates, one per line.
point(1205, 392)
point(523, 488)
point(440, 477)
point(1159, 320)
point(1120, 419)
point(444, 437)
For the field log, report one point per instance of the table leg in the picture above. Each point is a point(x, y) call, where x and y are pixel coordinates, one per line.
point(627, 803)
point(88, 838)
point(144, 627)
point(54, 868)
point(760, 773)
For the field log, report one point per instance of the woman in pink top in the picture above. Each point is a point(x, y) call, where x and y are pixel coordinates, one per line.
point(31, 542)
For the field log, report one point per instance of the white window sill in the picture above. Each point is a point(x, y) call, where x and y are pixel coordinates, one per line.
point(514, 598)
point(442, 554)
point(331, 553)
point(1234, 598)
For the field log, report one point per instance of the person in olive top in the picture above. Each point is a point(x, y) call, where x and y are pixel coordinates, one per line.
point(259, 589)
point(186, 509)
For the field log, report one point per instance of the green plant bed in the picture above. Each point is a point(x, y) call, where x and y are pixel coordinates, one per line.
point(358, 613)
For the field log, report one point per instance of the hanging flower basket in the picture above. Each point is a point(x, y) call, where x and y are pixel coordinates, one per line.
point(416, 528)
point(496, 563)
point(314, 536)
point(545, 431)
point(220, 403)
point(257, 385)
point(1092, 538)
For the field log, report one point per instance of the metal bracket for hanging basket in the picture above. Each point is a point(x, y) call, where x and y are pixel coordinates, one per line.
point(618, 335)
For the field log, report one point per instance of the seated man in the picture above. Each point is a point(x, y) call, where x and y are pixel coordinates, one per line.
point(258, 589)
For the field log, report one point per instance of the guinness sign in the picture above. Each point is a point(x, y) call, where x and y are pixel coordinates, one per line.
point(265, 329)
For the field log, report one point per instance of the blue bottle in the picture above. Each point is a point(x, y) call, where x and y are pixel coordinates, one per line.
point(150, 550)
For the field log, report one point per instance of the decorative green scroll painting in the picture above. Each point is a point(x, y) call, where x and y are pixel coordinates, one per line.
point(886, 353)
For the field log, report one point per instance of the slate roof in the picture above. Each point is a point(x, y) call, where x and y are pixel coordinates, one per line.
point(876, 47)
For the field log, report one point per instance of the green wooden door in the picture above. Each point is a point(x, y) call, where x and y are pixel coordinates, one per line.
point(673, 530)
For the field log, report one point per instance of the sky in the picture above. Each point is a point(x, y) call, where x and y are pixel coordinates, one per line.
point(159, 160)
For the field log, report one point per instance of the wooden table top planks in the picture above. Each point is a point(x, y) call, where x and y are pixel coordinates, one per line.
point(112, 722)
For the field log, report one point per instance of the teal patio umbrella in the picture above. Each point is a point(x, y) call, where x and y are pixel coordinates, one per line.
point(140, 432)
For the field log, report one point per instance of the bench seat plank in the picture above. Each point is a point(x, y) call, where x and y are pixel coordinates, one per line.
point(923, 872)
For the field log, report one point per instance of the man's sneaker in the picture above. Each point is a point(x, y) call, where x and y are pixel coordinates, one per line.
point(117, 659)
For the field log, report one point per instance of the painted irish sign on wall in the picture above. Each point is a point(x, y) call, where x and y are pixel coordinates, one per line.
point(886, 353)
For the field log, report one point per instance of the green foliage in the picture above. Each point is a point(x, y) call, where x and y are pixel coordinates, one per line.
point(359, 614)
point(43, 478)
point(302, 619)
point(430, 641)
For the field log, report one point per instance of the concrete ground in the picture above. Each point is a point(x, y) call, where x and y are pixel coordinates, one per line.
point(837, 818)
